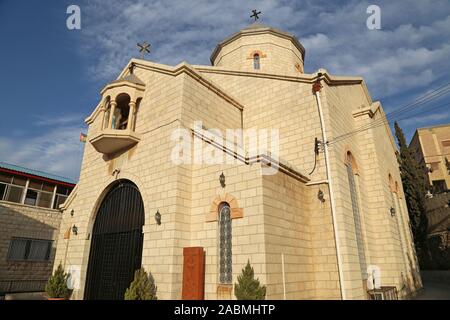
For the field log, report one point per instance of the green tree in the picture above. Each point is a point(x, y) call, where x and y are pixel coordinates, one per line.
point(142, 288)
point(56, 286)
point(249, 288)
point(415, 187)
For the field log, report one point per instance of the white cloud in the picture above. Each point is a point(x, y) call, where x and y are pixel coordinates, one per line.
point(59, 120)
point(412, 47)
point(56, 150)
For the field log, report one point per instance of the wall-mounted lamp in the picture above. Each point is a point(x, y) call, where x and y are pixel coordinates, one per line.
point(321, 196)
point(222, 180)
point(72, 212)
point(75, 230)
point(158, 218)
point(392, 211)
point(116, 172)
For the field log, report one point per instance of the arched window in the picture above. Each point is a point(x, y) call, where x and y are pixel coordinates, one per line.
point(121, 113)
point(398, 215)
point(256, 61)
point(351, 169)
point(225, 246)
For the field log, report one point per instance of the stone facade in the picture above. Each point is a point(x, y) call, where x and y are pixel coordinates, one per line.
point(278, 222)
point(432, 150)
point(23, 221)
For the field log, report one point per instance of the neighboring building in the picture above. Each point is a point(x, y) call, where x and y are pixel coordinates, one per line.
point(29, 226)
point(135, 205)
point(432, 150)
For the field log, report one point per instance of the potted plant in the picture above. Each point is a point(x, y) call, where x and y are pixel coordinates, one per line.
point(142, 288)
point(56, 287)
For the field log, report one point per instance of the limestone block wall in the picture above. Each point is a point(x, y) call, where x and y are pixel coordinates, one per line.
point(277, 55)
point(287, 233)
point(283, 104)
point(164, 186)
point(244, 187)
point(337, 108)
point(385, 237)
point(23, 221)
point(323, 245)
point(148, 166)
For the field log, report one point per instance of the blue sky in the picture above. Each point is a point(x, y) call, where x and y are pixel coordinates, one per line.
point(52, 76)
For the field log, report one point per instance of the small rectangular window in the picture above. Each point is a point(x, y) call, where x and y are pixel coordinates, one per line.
point(59, 199)
point(31, 197)
point(14, 194)
point(21, 249)
point(39, 250)
point(45, 200)
point(18, 249)
point(61, 190)
point(3, 188)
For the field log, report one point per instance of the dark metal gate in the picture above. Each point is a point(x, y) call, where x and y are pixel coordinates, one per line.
point(116, 245)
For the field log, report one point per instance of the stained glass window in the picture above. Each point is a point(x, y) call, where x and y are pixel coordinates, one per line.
point(225, 243)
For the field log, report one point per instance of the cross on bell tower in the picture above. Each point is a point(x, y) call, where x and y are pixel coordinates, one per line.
point(255, 14)
point(144, 48)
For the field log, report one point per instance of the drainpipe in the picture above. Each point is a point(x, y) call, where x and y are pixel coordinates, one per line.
point(316, 89)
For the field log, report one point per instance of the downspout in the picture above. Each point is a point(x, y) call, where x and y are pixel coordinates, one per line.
point(316, 89)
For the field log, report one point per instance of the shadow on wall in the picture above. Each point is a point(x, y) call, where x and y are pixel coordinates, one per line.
point(26, 276)
point(438, 242)
point(411, 285)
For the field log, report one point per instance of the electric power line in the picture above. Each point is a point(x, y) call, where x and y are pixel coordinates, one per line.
point(400, 113)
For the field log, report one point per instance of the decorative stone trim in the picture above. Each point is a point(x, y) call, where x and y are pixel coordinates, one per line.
point(224, 291)
point(258, 52)
point(349, 159)
point(236, 212)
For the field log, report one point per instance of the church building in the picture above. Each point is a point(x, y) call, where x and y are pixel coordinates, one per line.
point(318, 210)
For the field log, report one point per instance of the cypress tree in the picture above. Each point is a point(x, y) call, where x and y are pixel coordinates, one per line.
point(249, 288)
point(142, 288)
point(415, 188)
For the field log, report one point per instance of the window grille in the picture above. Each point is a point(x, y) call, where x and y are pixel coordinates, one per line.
point(225, 243)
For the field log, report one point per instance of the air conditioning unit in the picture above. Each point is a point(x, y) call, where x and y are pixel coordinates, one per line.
point(383, 293)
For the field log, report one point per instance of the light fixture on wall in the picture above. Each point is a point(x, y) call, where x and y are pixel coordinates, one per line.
point(158, 218)
point(115, 173)
point(222, 180)
point(392, 211)
point(321, 196)
point(72, 212)
point(75, 230)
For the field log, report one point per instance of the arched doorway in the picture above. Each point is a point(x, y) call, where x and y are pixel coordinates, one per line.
point(116, 245)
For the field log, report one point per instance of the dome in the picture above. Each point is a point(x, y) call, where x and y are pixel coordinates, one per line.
point(277, 51)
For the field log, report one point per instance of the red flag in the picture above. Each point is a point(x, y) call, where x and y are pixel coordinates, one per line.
point(83, 137)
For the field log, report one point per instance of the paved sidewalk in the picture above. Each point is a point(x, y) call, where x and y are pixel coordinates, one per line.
point(434, 291)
